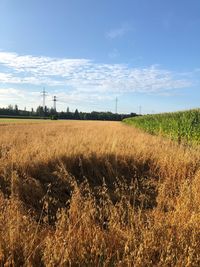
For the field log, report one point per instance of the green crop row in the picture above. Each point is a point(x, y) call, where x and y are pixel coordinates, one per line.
point(180, 126)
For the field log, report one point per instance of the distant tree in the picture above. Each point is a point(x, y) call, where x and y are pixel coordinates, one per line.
point(16, 110)
point(54, 117)
point(94, 115)
point(76, 115)
point(46, 111)
point(40, 111)
point(10, 107)
point(52, 111)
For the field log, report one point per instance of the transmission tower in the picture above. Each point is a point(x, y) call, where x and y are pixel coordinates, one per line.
point(54, 102)
point(116, 103)
point(44, 94)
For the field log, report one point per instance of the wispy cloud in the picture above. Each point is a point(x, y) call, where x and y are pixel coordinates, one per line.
point(118, 32)
point(40, 65)
point(82, 79)
point(18, 96)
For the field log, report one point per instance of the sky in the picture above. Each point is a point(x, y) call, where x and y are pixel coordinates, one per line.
point(87, 53)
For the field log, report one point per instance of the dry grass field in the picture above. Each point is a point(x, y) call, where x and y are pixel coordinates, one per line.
point(5, 121)
point(97, 194)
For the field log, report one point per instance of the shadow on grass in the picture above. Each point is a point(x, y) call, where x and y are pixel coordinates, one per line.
point(123, 177)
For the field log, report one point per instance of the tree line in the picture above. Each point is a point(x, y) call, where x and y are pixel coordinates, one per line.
point(50, 113)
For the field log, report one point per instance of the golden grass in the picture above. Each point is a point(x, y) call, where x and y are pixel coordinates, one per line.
point(6, 121)
point(97, 194)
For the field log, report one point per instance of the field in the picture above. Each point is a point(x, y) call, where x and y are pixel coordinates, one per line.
point(97, 194)
point(6, 121)
point(180, 126)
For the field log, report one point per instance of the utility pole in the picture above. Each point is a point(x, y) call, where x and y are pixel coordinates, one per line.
point(44, 94)
point(116, 102)
point(54, 102)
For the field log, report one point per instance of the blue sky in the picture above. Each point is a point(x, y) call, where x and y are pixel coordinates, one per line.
point(88, 52)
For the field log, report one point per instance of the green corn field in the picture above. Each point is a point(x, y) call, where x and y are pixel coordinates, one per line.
point(183, 126)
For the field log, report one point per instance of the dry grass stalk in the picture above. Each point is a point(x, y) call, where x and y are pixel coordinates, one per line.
point(97, 194)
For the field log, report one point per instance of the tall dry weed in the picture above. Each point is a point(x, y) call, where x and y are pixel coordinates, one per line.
point(97, 194)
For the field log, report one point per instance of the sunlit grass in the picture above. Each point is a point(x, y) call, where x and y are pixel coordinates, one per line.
point(97, 194)
point(15, 121)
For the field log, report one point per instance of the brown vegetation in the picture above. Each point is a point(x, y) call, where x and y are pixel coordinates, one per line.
point(97, 194)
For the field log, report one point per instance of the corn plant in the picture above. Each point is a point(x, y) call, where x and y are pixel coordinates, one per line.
point(180, 126)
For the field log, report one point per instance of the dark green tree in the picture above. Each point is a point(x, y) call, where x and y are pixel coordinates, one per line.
point(76, 115)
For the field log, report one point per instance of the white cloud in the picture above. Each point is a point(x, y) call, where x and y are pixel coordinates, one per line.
point(84, 79)
point(18, 96)
point(14, 95)
point(42, 64)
